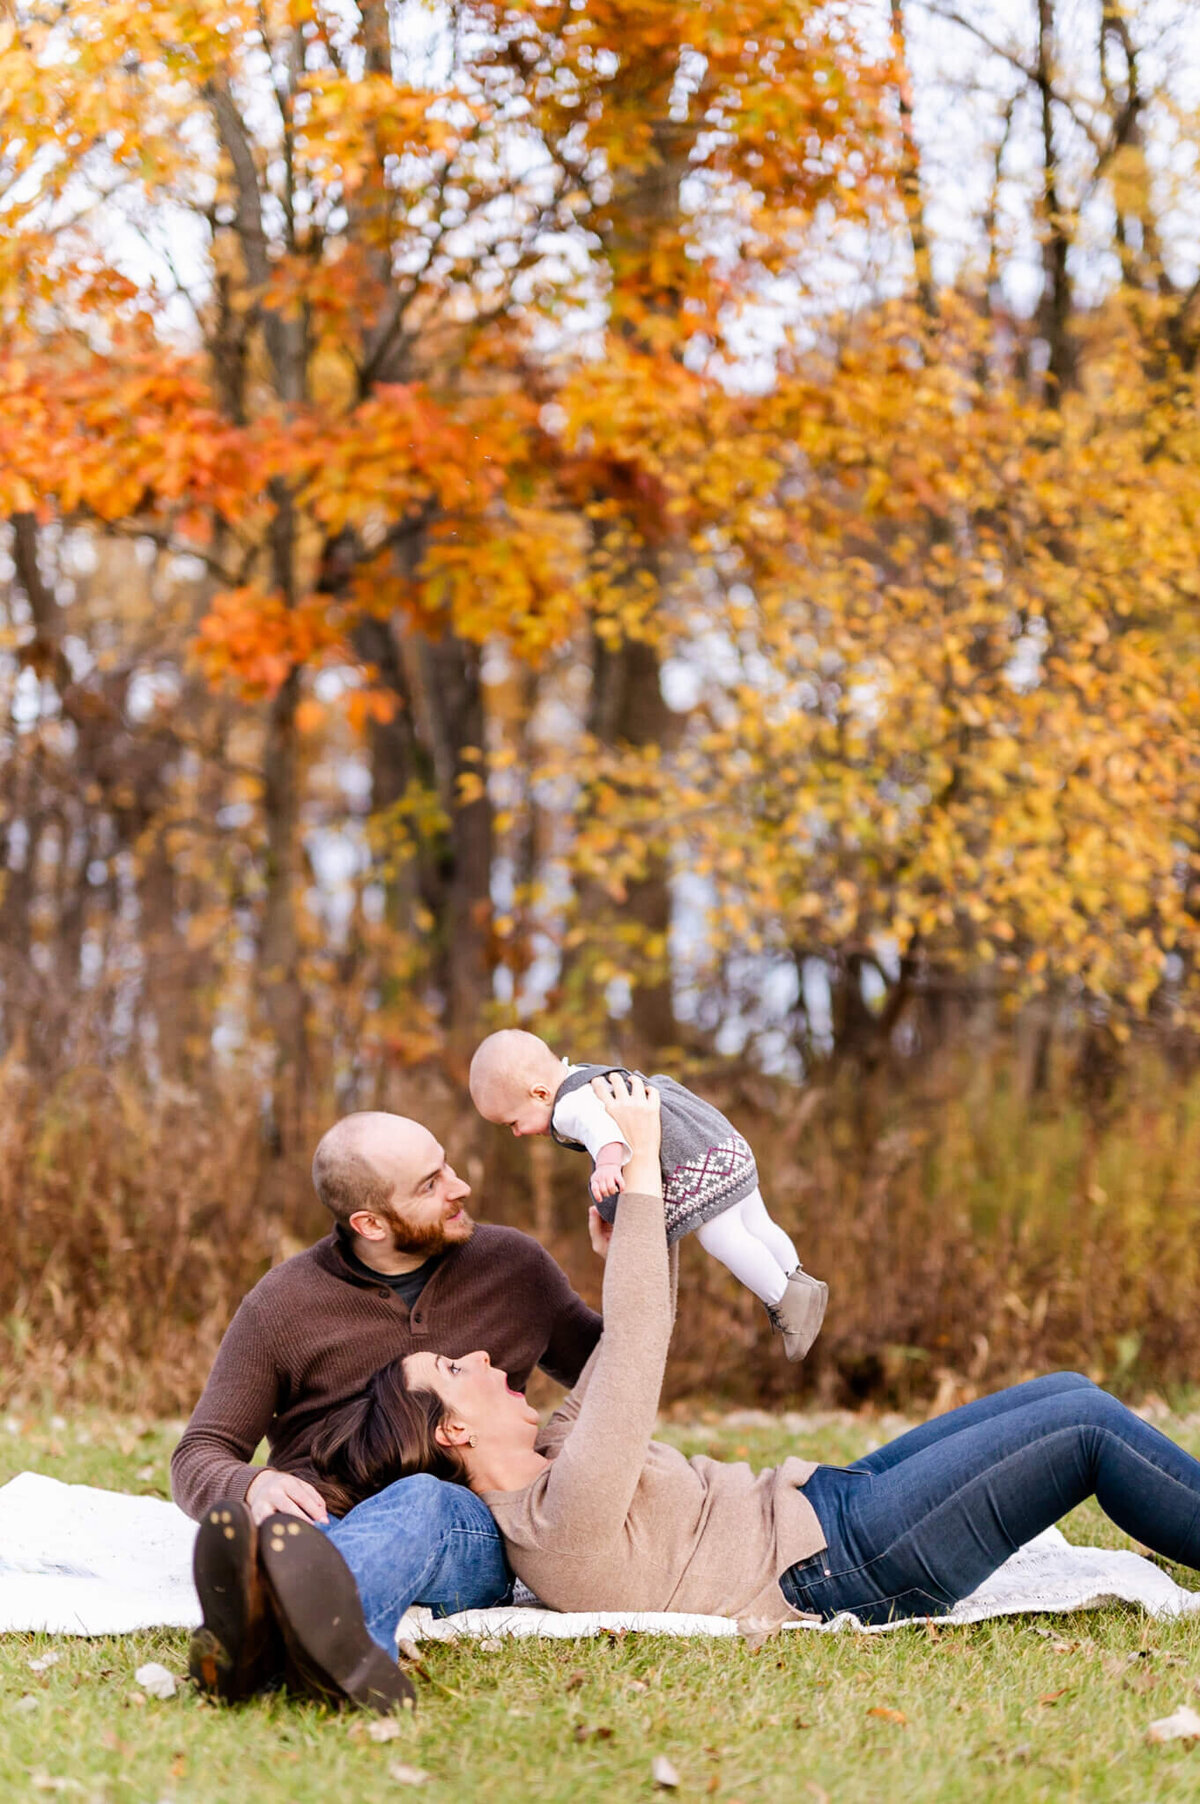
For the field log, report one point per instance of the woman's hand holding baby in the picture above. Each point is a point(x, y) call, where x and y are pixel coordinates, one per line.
point(635, 1108)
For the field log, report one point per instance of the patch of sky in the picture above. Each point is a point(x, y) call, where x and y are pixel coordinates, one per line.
point(338, 857)
point(1024, 668)
point(150, 691)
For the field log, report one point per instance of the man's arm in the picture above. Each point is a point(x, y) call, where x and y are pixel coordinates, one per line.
point(212, 1460)
point(572, 1328)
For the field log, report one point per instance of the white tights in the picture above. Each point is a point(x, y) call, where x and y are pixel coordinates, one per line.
point(753, 1247)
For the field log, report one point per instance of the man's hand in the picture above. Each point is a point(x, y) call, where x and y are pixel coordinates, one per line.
point(272, 1491)
point(599, 1233)
point(607, 1179)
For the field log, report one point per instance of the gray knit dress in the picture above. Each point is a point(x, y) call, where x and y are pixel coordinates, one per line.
point(706, 1165)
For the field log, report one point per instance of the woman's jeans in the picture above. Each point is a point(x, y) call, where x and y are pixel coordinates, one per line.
point(921, 1522)
point(421, 1541)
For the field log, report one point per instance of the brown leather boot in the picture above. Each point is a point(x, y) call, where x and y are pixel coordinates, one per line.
point(318, 1609)
point(799, 1313)
point(239, 1649)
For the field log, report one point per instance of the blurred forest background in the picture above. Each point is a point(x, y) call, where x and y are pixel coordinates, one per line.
point(676, 524)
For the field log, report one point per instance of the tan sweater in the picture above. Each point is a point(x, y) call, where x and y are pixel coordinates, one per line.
point(617, 1521)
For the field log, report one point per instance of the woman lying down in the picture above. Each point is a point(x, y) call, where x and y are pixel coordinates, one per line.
point(596, 1515)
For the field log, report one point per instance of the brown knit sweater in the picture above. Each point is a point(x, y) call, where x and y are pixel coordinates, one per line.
point(618, 1521)
point(311, 1333)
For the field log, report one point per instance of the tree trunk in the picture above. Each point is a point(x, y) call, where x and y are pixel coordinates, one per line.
point(910, 171)
point(279, 944)
point(627, 708)
point(1056, 304)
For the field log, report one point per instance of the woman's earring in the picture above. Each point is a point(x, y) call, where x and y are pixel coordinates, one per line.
point(471, 1439)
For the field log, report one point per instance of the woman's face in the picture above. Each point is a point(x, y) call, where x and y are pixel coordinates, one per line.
point(476, 1394)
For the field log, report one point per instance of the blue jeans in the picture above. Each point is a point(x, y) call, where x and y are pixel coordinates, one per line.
point(421, 1541)
point(921, 1522)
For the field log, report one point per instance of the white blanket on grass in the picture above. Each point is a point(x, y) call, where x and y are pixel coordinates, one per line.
point(79, 1561)
point(1048, 1574)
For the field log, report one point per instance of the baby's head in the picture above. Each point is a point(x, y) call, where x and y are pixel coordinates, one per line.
point(513, 1080)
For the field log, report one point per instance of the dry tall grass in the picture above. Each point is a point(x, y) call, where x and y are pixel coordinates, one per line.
point(968, 1236)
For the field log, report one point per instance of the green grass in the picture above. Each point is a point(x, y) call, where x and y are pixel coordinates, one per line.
point(1040, 1708)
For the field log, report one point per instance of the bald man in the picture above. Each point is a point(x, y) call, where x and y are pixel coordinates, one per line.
point(404, 1268)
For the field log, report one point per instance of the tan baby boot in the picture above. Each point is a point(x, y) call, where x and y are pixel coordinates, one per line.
point(799, 1313)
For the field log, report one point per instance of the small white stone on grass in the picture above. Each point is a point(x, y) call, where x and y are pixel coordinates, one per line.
point(406, 1775)
point(663, 1773)
point(26, 1703)
point(1182, 1725)
point(44, 1663)
point(156, 1680)
point(385, 1728)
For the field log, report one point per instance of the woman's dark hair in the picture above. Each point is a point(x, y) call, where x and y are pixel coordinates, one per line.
point(387, 1433)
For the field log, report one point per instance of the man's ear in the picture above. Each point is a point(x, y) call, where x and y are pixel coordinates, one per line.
point(364, 1222)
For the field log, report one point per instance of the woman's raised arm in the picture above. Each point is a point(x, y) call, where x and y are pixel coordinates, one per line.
point(593, 1479)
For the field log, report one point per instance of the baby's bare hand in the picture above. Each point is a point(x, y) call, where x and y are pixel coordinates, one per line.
point(607, 1181)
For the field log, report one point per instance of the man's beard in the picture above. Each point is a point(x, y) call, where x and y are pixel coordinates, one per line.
point(432, 1239)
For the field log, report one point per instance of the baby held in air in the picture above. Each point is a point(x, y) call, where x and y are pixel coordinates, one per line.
point(710, 1181)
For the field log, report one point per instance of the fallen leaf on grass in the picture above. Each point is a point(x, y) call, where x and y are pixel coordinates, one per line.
point(1182, 1725)
point(663, 1773)
point(887, 1715)
point(406, 1775)
point(385, 1728)
point(44, 1664)
point(588, 1732)
point(575, 1679)
point(491, 1644)
point(1052, 1697)
point(756, 1631)
point(155, 1680)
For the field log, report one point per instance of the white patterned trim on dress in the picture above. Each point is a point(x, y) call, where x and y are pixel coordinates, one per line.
point(702, 1187)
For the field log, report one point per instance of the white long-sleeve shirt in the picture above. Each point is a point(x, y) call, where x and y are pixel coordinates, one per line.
point(580, 1115)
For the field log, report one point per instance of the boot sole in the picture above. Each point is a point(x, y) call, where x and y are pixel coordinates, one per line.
point(224, 1566)
point(318, 1608)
